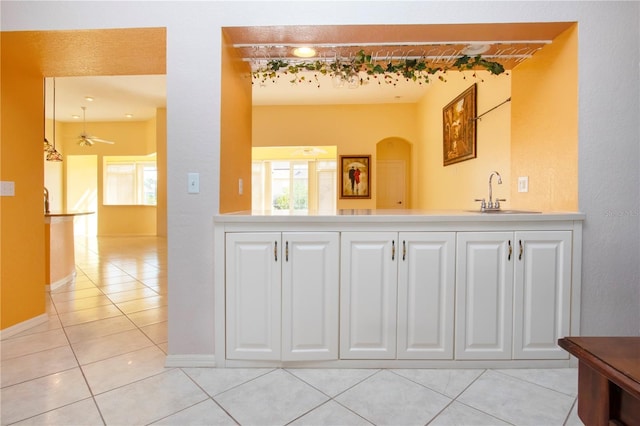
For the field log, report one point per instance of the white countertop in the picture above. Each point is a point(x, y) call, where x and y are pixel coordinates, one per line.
point(395, 216)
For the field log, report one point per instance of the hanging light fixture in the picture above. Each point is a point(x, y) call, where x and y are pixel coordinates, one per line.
point(53, 154)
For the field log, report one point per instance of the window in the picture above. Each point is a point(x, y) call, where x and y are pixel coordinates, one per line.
point(296, 186)
point(130, 180)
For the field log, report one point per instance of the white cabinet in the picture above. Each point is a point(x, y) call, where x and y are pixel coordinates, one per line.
point(368, 292)
point(396, 291)
point(512, 294)
point(426, 287)
point(542, 294)
point(282, 296)
point(397, 295)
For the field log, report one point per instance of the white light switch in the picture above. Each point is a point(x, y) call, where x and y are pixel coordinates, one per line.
point(7, 188)
point(523, 184)
point(193, 183)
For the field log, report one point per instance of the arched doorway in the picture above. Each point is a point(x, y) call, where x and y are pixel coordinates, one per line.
point(393, 171)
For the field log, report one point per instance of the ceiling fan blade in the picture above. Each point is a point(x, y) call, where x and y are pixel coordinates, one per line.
point(85, 140)
point(93, 139)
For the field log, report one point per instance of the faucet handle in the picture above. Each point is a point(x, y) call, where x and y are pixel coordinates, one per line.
point(483, 203)
point(497, 204)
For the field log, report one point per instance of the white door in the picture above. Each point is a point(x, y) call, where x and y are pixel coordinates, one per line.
point(253, 277)
point(484, 292)
point(391, 184)
point(542, 297)
point(368, 293)
point(310, 296)
point(426, 282)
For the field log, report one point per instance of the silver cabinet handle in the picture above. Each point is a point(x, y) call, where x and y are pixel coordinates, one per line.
point(286, 251)
point(404, 250)
point(393, 250)
point(275, 251)
point(510, 250)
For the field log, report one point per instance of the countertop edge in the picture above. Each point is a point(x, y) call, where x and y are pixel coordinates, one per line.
point(65, 214)
point(374, 216)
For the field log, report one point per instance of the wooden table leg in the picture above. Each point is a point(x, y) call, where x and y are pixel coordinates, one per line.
point(593, 396)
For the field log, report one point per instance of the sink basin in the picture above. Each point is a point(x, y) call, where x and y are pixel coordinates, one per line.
point(506, 211)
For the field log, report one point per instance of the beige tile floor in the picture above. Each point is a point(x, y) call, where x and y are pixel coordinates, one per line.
point(99, 360)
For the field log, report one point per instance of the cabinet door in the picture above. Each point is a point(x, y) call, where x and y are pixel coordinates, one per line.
point(253, 296)
point(484, 293)
point(542, 298)
point(426, 283)
point(368, 292)
point(310, 296)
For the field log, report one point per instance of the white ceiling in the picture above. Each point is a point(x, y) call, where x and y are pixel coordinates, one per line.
point(114, 97)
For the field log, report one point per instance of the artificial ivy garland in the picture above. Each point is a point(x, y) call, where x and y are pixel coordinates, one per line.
point(391, 71)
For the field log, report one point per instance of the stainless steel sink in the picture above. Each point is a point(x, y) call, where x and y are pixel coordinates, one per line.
point(505, 211)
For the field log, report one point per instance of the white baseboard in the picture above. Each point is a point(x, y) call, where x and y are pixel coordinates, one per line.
point(190, 361)
point(23, 326)
point(69, 279)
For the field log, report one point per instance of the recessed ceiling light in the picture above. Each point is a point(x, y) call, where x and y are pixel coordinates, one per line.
point(304, 52)
point(88, 98)
point(129, 115)
point(75, 117)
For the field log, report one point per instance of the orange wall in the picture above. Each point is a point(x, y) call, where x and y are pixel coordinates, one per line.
point(545, 126)
point(22, 223)
point(457, 185)
point(354, 129)
point(235, 131)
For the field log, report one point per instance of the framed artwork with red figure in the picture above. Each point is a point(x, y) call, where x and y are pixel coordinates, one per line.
point(355, 176)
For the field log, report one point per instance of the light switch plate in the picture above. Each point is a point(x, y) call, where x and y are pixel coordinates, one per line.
point(523, 184)
point(193, 180)
point(7, 188)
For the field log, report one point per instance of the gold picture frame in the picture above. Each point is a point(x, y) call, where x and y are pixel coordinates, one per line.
point(459, 128)
point(355, 176)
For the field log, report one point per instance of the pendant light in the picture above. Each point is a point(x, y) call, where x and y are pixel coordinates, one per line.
point(53, 154)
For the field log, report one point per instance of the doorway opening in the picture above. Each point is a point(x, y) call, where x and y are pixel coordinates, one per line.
point(393, 181)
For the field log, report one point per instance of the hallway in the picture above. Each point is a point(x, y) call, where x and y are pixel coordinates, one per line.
point(100, 360)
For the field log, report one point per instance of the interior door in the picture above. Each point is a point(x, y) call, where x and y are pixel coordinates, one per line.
point(391, 184)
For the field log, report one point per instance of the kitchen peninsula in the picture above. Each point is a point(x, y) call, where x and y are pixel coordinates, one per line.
point(60, 266)
point(396, 288)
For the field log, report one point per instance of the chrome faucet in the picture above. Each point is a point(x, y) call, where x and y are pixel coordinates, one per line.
point(46, 200)
point(484, 206)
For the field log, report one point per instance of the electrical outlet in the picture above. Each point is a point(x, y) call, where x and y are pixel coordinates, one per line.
point(240, 186)
point(523, 184)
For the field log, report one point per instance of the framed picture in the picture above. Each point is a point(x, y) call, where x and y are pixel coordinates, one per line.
point(459, 128)
point(355, 176)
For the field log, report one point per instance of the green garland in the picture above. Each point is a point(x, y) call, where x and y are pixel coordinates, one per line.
point(392, 71)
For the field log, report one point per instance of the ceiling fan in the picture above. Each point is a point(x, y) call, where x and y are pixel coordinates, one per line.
point(86, 140)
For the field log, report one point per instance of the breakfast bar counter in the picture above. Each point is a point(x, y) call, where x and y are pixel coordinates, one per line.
point(60, 264)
